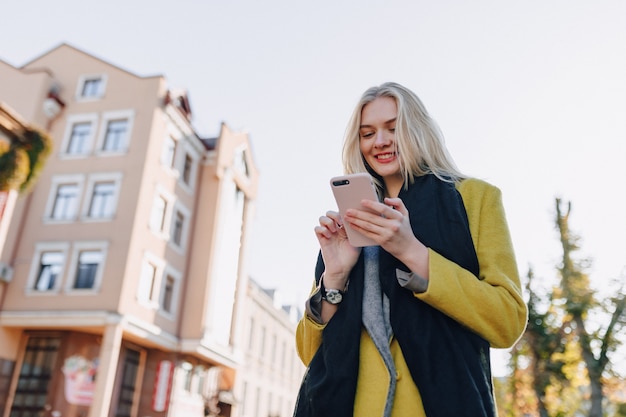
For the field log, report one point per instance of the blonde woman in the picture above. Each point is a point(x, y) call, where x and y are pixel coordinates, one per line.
point(403, 329)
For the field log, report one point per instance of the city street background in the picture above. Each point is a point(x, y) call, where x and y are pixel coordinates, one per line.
point(531, 96)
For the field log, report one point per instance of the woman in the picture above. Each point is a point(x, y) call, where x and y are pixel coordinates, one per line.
point(404, 328)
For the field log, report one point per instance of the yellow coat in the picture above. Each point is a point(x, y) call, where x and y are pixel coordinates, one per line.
point(492, 306)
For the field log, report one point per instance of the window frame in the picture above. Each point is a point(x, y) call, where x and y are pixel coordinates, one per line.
point(179, 207)
point(55, 183)
point(111, 116)
point(83, 79)
point(187, 151)
point(169, 163)
point(169, 271)
point(92, 180)
point(169, 199)
point(152, 301)
point(72, 120)
point(77, 249)
point(33, 276)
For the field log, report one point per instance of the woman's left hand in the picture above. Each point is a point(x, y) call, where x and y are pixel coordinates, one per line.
point(390, 227)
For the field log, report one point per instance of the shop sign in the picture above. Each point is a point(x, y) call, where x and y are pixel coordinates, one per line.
point(162, 385)
point(80, 379)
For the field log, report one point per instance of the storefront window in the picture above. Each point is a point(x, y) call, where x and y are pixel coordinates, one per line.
point(34, 379)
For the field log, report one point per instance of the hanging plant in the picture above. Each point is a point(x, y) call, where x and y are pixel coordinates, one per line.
point(37, 146)
point(14, 164)
point(22, 159)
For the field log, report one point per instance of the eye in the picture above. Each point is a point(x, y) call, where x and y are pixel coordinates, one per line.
point(367, 134)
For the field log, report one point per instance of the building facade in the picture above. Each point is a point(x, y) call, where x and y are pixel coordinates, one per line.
point(269, 378)
point(128, 257)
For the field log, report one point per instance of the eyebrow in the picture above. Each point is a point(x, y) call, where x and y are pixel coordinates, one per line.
point(390, 121)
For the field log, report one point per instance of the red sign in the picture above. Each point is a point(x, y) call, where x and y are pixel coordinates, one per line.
point(162, 385)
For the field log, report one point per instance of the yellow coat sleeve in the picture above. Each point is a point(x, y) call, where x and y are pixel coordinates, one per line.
point(491, 306)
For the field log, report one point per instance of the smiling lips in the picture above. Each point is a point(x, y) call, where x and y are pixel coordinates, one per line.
point(386, 157)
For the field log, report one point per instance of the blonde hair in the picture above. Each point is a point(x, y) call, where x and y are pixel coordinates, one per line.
point(419, 142)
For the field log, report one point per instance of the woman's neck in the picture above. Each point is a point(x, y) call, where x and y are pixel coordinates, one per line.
point(393, 185)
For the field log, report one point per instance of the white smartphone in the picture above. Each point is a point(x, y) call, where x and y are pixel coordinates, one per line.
point(349, 190)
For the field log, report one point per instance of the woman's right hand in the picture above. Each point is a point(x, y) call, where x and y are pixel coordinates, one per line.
point(339, 255)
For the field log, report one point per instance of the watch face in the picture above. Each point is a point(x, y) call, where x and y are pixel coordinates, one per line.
point(333, 296)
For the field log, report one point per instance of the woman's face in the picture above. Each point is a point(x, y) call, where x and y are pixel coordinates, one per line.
point(377, 139)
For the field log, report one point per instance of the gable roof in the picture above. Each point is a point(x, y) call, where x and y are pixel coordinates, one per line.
point(88, 54)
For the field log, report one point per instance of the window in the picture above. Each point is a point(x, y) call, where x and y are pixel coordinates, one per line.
point(102, 203)
point(262, 348)
point(88, 260)
point(78, 136)
point(88, 263)
point(128, 385)
point(65, 205)
point(157, 217)
point(179, 226)
point(187, 169)
point(50, 267)
point(79, 139)
point(168, 293)
point(169, 152)
point(251, 334)
point(47, 267)
point(148, 286)
point(187, 165)
point(115, 132)
point(177, 232)
point(149, 290)
point(283, 356)
point(273, 352)
point(186, 369)
point(35, 376)
point(162, 213)
point(103, 191)
point(115, 135)
point(91, 87)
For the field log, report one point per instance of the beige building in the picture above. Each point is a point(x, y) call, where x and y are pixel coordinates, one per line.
point(269, 378)
point(127, 258)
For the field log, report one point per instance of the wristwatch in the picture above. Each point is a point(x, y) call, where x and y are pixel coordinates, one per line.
point(332, 296)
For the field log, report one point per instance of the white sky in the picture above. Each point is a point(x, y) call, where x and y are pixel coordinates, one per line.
point(531, 97)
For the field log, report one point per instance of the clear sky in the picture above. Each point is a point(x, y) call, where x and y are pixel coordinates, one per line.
point(530, 95)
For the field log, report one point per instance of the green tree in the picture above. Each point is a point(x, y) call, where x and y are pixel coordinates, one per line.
point(563, 358)
point(596, 341)
point(541, 359)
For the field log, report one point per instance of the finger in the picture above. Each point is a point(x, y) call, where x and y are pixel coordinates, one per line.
point(384, 210)
point(397, 204)
point(336, 217)
point(328, 223)
point(323, 232)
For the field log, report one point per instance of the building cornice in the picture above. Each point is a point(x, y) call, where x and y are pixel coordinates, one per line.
point(133, 327)
point(211, 353)
point(89, 320)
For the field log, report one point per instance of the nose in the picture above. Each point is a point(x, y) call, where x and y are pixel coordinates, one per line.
point(382, 139)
